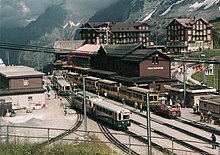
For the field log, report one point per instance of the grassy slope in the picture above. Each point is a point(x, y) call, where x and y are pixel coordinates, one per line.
point(96, 147)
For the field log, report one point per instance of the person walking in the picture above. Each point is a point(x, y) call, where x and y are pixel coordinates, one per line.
point(123, 102)
point(141, 108)
point(105, 94)
point(135, 105)
point(197, 108)
point(213, 141)
point(201, 117)
point(209, 116)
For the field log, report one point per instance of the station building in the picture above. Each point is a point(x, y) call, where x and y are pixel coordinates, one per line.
point(128, 64)
point(193, 93)
point(210, 103)
point(23, 85)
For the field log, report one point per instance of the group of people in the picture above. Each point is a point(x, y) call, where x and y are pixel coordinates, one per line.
point(206, 117)
point(140, 106)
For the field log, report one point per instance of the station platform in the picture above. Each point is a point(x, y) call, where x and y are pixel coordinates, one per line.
point(188, 114)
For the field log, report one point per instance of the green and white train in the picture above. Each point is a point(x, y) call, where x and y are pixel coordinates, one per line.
point(61, 85)
point(101, 109)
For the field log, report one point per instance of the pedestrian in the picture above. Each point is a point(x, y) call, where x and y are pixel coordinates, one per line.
point(213, 141)
point(209, 116)
point(123, 101)
point(55, 96)
point(141, 108)
point(105, 94)
point(197, 108)
point(201, 116)
point(65, 112)
point(135, 105)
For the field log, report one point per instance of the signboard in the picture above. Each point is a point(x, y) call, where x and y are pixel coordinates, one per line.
point(209, 69)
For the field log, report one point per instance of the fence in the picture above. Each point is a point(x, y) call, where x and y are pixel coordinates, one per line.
point(42, 134)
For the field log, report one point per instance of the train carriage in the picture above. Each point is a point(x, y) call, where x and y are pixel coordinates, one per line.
point(117, 116)
point(109, 87)
point(91, 83)
point(137, 94)
point(74, 78)
point(62, 86)
point(78, 100)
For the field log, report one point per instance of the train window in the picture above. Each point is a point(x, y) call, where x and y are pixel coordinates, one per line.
point(136, 96)
point(67, 87)
point(119, 116)
point(140, 97)
point(155, 98)
point(150, 98)
point(129, 94)
point(125, 116)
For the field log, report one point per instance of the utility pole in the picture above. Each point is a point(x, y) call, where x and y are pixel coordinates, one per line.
point(84, 104)
point(184, 80)
point(148, 125)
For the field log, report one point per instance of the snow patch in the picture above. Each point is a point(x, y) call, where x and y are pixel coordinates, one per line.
point(168, 10)
point(71, 24)
point(148, 16)
point(207, 4)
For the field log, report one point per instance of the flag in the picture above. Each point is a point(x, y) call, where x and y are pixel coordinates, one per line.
point(199, 68)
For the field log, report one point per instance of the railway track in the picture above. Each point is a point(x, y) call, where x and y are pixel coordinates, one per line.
point(114, 140)
point(75, 126)
point(144, 140)
point(181, 142)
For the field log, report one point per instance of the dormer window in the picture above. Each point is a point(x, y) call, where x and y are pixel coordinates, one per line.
point(155, 59)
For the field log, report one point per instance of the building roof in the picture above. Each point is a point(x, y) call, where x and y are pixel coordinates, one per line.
point(88, 48)
point(117, 26)
point(19, 71)
point(190, 88)
point(66, 46)
point(119, 50)
point(188, 22)
point(212, 99)
point(142, 81)
point(138, 55)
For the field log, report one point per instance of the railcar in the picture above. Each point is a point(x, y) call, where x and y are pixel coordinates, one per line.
point(78, 100)
point(62, 86)
point(91, 83)
point(98, 108)
point(137, 94)
point(74, 78)
point(109, 87)
point(117, 116)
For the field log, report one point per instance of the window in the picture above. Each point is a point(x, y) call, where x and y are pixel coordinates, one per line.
point(155, 59)
point(30, 98)
point(26, 82)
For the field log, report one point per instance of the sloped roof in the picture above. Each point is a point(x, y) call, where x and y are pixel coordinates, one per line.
point(138, 54)
point(89, 48)
point(188, 22)
point(19, 71)
point(66, 46)
point(117, 26)
point(119, 50)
